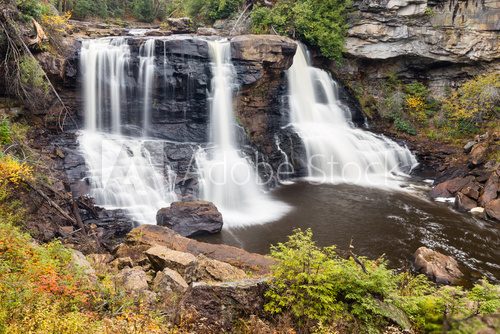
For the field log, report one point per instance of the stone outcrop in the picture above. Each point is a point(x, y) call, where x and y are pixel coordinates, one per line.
point(212, 270)
point(162, 257)
point(191, 218)
point(214, 307)
point(438, 267)
point(478, 184)
point(144, 237)
point(169, 280)
point(133, 279)
point(441, 42)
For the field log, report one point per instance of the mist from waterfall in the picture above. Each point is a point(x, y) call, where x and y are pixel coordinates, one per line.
point(337, 151)
point(227, 178)
point(122, 172)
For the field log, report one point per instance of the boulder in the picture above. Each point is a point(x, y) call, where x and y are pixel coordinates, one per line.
point(437, 266)
point(169, 280)
point(80, 262)
point(440, 190)
point(493, 209)
point(122, 262)
point(212, 270)
point(478, 153)
point(217, 306)
point(472, 190)
point(191, 218)
point(144, 237)
point(468, 147)
point(458, 183)
point(264, 49)
point(464, 203)
point(132, 279)
point(162, 257)
point(490, 191)
point(181, 25)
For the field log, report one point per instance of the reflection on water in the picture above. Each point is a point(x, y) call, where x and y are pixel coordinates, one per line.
point(378, 222)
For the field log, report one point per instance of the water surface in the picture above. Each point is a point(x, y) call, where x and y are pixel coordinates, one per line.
point(377, 222)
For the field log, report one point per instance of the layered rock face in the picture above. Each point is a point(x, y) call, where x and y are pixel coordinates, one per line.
point(441, 42)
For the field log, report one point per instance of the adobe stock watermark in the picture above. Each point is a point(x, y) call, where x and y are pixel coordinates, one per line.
point(175, 165)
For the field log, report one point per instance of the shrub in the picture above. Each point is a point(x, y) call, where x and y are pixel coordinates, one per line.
point(32, 8)
point(5, 131)
point(476, 101)
point(32, 74)
point(211, 10)
point(318, 22)
point(319, 288)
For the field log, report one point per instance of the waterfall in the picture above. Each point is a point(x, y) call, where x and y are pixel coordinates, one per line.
point(227, 178)
point(103, 63)
point(146, 73)
point(122, 173)
point(336, 150)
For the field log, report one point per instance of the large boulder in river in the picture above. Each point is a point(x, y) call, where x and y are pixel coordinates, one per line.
point(437, 266)
point(142, 238)
point(464, 203)
point(491, 189)
point(215, 307)
point(191, 218)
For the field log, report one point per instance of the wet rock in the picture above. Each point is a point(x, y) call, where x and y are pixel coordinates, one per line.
point(457, 184)
point(491, 189)
point(162, 257)
point(157, 33)
point(169, 280)
point(216, 306)
point(441, 190)
point(212, 270)
point(472, 190)
point(437, 266)
point(493, 209)
point(191, 218)
point(132, 279)
point(181, 25)
point(464, 203)
point(146, 236)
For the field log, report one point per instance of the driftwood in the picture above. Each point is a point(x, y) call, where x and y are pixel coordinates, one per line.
point(40, 33)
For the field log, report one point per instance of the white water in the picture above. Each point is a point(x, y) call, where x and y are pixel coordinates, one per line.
point(146, 74)
point(103, 63)
point(121, 171)
point(227, 178)
point(338, 152)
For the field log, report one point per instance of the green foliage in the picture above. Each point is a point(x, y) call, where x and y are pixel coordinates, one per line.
point(32, 74)
point(318, 22)
point(318, 288)
point(211, 10)
point(5, 131)
point(143, 10)
point(32, 8)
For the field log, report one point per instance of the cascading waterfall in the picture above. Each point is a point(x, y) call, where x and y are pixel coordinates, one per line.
point(122, 173)
point(227, 178)
point(337, 151)
point(146, 74)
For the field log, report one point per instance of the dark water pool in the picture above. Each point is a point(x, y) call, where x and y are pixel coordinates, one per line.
point(378, 222)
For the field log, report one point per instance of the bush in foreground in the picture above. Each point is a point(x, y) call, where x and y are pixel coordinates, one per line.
point(325, 292)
